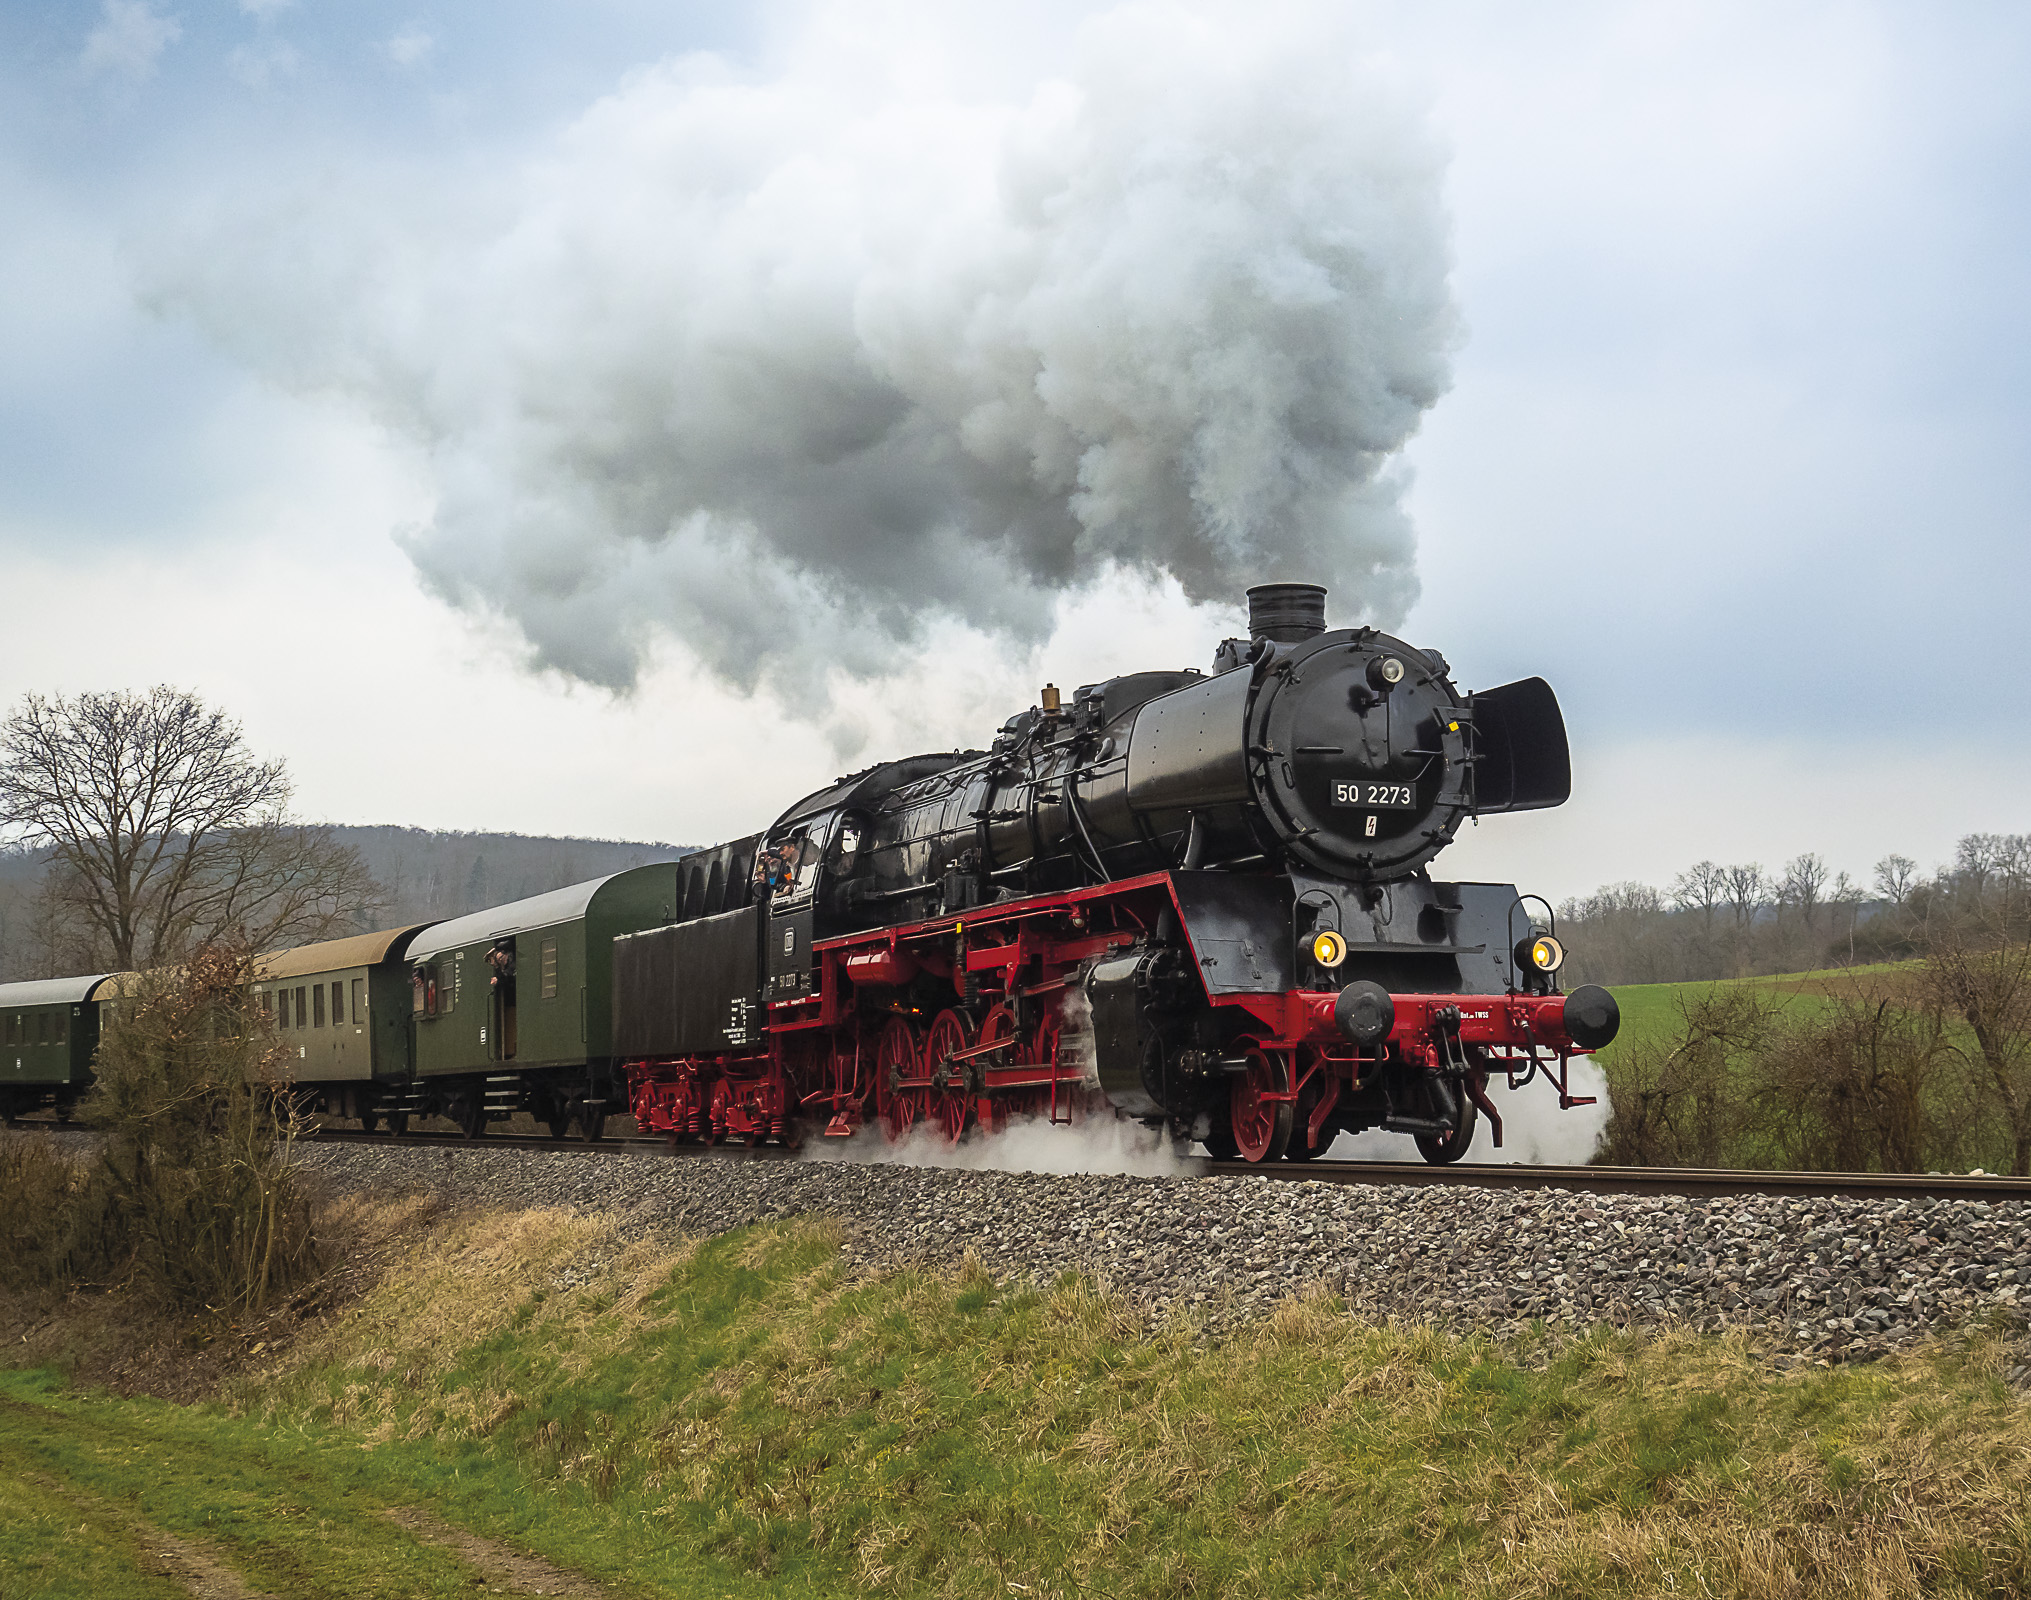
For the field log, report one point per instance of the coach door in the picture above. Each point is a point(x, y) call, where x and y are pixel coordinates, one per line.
point(501, 1029)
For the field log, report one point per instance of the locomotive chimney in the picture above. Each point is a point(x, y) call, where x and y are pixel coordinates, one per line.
point(1286, 612)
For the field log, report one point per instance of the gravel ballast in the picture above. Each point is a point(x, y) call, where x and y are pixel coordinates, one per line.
point(1832, 1277)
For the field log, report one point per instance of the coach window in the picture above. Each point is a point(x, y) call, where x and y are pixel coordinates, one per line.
point(60, 1030)
point(317, 1005)
point(7, 1034)
point(338, 1003)
point(42, 1027)
point(359, 1001)
point(549, 968)
point(301, 1020)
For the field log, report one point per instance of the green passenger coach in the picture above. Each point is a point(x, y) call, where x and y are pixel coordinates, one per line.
point(341, 1012)
point(512, 1006)
point(49, 1032)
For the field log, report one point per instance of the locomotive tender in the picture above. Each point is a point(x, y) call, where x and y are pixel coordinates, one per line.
point(1197, 899)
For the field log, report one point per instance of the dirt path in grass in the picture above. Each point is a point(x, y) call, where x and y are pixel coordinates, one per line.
point(496, 1562)
point(347, 1546)
point(196, 1569)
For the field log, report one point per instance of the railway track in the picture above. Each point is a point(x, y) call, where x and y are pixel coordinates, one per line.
point(1697, 1181)
point(1714, 1182)
point(1692, 1181)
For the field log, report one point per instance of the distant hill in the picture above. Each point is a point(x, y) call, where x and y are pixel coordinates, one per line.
point(431, 875)
point(425, 875)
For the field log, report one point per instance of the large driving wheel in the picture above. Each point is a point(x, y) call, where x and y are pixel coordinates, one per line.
point(1262, 1126)
point(895, 1064)
point(949, 1103)
point(994, 1110)
point(1443, 1149)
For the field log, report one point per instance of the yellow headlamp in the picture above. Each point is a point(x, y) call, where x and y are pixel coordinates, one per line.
point(1328, 948)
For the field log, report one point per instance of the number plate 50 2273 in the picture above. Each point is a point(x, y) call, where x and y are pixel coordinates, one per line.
point(1371, 795)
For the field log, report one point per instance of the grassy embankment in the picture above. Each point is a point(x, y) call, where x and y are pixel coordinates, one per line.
point(739, 1417)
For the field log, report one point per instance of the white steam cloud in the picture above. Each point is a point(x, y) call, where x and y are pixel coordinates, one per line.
point(787, 370)
point(1535, 1132)
point(1100, 1144)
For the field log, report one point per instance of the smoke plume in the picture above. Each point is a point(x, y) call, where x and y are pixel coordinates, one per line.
point(787, 369)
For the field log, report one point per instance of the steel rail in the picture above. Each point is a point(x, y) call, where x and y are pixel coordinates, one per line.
point(1718, 1182)
point(618, 1144)
point(1702, 1182)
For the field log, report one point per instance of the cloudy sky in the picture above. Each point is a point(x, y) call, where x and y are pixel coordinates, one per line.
point(618, 418)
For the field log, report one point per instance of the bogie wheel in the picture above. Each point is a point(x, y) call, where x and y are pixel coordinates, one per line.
point(895, 1064)
point(1443, 1149)
point(469, 1111)
point(370, 1119)
point(591, 1121)
point(1262, 1126)
point(398, 1124)
point(949, 1102)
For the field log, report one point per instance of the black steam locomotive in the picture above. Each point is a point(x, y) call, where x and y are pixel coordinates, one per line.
point(1201, 899)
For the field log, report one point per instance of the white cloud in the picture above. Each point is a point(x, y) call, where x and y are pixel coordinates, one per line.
point(261, 66)
point(791, 372)
point(265, 10)
point(129, 40)
point(410, 48)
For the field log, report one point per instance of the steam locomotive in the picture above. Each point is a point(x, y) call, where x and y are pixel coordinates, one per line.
point(1200, 899)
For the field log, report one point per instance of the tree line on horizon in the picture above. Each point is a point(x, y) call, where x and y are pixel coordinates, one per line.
point(1743, 920)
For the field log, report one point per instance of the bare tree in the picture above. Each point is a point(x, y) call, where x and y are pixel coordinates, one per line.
point(1803, 886)
point(1896, 877)
point(1701, 888)
point(164, 832)
point(1987, 982)
point(1748, 886)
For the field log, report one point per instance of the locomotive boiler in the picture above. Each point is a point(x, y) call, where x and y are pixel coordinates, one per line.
point(1200, 898)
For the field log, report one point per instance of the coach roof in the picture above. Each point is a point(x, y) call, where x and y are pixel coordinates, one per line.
point(501, 922)
point(332, 955)
point(50, 991)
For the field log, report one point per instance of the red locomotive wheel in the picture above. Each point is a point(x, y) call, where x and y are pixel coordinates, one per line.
point(949, 1103)
point(994, 1109)
point(896, 1063)
point(1262, 1126)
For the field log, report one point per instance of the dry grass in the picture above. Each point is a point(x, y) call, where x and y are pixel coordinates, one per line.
point(945, 1434)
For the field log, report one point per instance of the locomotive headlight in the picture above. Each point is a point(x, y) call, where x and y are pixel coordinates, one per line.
point(1329, 949)
point(1542, 953)
point(1384, 673)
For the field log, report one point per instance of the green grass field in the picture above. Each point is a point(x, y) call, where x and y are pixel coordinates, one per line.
point(533, 1404)
point(1651, 1012)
